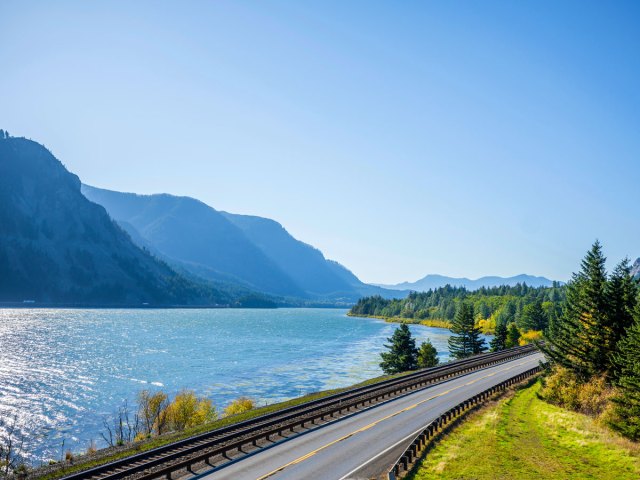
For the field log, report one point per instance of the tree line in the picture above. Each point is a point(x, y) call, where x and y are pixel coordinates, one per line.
point(529, 308)
point(594, 346)
point(592, 343)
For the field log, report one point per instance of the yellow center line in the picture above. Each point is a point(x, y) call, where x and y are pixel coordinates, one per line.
point(373, 424)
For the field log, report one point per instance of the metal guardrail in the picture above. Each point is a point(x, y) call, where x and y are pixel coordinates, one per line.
point(181, 455)
point(407, 461)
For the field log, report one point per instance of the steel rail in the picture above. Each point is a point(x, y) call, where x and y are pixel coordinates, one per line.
point(223, 440)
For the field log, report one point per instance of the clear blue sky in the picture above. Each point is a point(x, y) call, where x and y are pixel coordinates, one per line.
point(401, 138)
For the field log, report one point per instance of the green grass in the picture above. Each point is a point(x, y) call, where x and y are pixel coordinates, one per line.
point(84, 462)
point(523, 437)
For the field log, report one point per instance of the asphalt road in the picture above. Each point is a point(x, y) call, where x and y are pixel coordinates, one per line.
point(365, 444)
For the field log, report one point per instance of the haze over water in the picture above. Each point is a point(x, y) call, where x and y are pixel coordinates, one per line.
point(62, 371)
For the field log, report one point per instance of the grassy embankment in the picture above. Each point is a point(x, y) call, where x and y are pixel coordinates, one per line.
point(84, 462)
point(432, 322)
point(523, 437)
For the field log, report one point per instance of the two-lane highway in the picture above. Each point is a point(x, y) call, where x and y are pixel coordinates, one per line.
point(362, 445)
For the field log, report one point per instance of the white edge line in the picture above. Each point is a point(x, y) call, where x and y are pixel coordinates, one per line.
point(408, 437)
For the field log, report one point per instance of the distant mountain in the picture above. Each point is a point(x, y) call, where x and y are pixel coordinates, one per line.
point(57, 246)
point(636, 268)
point(252, 251)
point(195, 236)
point(306, 265)
point(431, 282)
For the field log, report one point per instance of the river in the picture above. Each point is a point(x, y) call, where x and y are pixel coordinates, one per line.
point(63, 371)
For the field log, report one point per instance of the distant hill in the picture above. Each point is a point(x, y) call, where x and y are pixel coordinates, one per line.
point(251, 251)
point(306, 265)
point(431, 282)
point(58, 247)
point(636, 268)
point(199, 238)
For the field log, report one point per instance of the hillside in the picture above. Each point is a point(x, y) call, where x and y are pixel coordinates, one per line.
point(305, 264)
point(431, 282)
point(247, 250)
point(521, 436)
point(195, 236)
point(636, 268)
point(56, 246)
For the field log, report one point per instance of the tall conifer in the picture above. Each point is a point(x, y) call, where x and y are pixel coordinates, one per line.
point(627, 403)
point(402, 355)
point(584, 339)
point(499, 341)
point(465, 339)
point(622, 294)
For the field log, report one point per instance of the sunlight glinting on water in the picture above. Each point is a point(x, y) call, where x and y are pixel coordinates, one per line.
point(63, 371)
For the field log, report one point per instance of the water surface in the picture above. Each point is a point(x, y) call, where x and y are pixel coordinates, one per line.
point(63, 371)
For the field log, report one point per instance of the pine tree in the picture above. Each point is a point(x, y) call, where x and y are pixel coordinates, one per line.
point(499, 341)
point(427, 355)
point(533, 317)
point(513, 335)
point(622, 295)
point(583, 339)
point(465, 340)
point(627, 403)
point(402, 354)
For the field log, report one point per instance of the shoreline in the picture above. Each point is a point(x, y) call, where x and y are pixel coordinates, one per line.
point(433, 323)
point(76, 306)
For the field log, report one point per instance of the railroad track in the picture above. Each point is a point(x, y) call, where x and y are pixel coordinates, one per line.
point(225, 444)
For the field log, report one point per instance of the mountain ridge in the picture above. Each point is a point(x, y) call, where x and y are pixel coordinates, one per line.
point(253, 251)
point(433, 281)
point(58, 247)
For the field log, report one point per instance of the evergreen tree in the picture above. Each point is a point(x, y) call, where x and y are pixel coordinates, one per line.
point(533, 317)
point(402, 354)
point(499, 341)
point(513, 335)
point(427, 355)
point(627, 403)
point(465, 339)
point(583, 339)
point(622, 294)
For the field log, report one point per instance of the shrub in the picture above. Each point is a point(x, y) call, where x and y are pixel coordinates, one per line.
point(564, 388)
point(187, 410)
point(91, 449)
point(561, 388)
point(238, 406)
point(530, 336)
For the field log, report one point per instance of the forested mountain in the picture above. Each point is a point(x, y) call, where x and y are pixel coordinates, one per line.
point(196, 236)
point(57, 246)
point(497, 305)
point(635, 270)
point(436, 281)
point(252, 251)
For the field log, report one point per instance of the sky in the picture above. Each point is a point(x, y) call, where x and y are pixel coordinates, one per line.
point(401, 138)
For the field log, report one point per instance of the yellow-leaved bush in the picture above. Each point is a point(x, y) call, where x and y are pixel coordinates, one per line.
point(530, 336)
point(563, 387)
point(239, 405)
point(188, 410)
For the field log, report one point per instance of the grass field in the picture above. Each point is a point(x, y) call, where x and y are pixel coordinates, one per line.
point(523, 437)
